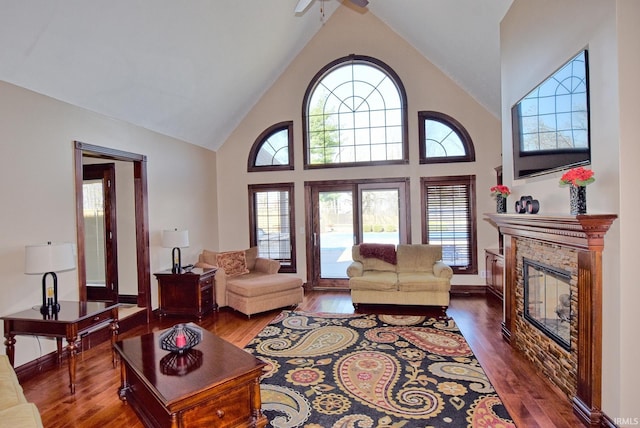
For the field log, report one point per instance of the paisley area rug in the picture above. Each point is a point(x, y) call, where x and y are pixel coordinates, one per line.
point(372, 371)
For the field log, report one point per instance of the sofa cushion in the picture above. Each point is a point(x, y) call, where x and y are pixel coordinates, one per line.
point(418, 257)
point(252, 285)
point(422, 281)
point(209, 257)
point(370, 280)
point(21, 415)
point(10, 390)
point(234, 263)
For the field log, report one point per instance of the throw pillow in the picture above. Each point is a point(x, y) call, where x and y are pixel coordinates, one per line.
point(251, 254)
point(234, 263)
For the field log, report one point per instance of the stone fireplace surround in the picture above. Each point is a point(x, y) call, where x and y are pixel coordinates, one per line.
point(575, 244)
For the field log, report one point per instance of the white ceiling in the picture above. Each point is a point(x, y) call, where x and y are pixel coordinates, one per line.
point(189, 69)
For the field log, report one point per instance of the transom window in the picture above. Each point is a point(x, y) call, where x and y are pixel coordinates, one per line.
point(443, 139)
point(273, 149)
point(354, 113)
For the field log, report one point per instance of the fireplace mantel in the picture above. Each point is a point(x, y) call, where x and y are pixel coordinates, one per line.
point(584, 234)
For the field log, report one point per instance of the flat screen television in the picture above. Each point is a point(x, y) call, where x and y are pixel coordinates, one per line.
point(551, 123)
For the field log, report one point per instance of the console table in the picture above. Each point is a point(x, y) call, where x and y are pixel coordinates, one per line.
point(190, 293)
point(70, 322)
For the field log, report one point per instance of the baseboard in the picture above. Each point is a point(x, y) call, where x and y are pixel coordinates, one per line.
point(468, 290)
point(607, 422)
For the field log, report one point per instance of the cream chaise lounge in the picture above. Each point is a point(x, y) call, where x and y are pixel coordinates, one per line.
point(409, 275)
point(251, 284)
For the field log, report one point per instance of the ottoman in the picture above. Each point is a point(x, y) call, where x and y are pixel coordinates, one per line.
point(263, 293)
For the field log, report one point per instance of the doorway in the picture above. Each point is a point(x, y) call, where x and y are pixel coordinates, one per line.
point(100, 231)
point(345, 213)
point(138, 177)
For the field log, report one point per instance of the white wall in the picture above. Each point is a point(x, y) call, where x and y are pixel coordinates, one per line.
point(538, 36)
point(38, 197)
point(626, 324)
point(347, 32)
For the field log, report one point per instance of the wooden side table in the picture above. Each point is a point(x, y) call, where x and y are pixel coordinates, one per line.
point(71, 321)
point(187, 294)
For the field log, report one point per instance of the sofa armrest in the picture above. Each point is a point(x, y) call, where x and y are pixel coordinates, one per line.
point(268, 266)
point(355, 269)
point(442, 270)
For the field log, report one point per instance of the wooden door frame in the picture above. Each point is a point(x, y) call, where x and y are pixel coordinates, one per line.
point(311, 226)
point(141, 218)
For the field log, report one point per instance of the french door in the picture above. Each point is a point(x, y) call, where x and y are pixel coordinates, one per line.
point(344, 213)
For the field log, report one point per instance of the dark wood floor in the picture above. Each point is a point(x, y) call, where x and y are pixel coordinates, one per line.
point(530, 400)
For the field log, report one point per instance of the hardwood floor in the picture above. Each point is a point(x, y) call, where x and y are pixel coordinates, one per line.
point(531, 400)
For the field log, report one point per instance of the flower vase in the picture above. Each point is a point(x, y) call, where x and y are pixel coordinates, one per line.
point(578, 199)
point(501, 204)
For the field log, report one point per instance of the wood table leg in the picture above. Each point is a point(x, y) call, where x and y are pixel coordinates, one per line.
point(114, 338)
point(71, 349)
point(59, 344)
point(9, 342)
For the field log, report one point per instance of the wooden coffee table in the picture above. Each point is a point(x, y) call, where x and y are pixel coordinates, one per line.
point(215, 384)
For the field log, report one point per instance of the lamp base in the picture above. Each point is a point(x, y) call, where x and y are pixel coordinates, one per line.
point(50, 309)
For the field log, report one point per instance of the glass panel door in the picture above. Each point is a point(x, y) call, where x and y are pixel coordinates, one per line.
point(344, 214)
point(336, 233)
point(380, 216)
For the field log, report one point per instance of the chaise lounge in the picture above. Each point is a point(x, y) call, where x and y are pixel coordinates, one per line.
point(251, 284)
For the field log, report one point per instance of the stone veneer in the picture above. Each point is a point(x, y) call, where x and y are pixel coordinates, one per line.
point(555, 363)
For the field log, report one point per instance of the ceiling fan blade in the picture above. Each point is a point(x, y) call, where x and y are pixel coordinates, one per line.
point(361, 3)
point(302, 5)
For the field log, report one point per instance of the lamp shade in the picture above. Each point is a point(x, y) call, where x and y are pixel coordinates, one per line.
point(175, 238)
point(44, 258)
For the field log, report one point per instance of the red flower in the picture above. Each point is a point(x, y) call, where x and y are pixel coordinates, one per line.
point(500, 190)
point(578, 177)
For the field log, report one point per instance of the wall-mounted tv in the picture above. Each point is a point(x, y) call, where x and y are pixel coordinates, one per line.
point(551, 123)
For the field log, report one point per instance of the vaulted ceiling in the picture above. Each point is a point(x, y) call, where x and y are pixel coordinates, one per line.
point(187, 69)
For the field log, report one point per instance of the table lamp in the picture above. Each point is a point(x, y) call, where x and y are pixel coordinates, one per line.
point(48, 259)
point(175, 239)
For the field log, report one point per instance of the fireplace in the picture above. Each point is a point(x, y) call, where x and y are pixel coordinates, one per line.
point(565, 250)
point(547, 300)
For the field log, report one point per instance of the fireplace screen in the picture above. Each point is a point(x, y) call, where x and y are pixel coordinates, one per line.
point(547, 305)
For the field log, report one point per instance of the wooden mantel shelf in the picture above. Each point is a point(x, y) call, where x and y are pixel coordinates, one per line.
point(579, 231)
point(585, 234)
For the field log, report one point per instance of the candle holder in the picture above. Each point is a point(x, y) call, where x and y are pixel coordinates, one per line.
point(180, 338)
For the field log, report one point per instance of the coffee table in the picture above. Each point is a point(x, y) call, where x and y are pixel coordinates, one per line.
point(215, 384)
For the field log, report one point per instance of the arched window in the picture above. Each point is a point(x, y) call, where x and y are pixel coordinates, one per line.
point(443, 139)
point(273, 149)
point(354, 113)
